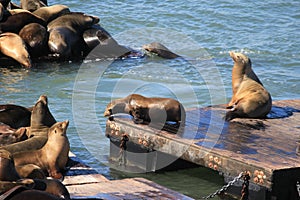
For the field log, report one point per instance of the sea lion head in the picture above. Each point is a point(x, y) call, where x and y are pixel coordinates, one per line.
point(240, 59)
point(113, 108)
point(41, 115)
point(59, 129)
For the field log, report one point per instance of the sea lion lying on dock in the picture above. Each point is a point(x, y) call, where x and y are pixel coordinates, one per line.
point(250, 98)
point(14, 116)
point(145, 110)
point(53, 156)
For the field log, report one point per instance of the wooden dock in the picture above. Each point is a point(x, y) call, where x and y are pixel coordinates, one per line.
point(267, 148)
point(84, 182)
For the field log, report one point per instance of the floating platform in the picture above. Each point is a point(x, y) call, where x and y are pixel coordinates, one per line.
point(267, 148)
point(84, 182)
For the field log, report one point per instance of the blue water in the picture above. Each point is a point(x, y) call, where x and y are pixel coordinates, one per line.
point(202, 32)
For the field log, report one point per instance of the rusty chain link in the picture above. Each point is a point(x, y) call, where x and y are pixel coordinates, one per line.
point(225, 187)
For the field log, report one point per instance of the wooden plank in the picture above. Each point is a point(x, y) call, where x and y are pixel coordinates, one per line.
point(83, 182)
point(261, 146)
point(133, 188)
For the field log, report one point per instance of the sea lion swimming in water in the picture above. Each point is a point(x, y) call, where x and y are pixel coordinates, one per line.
point(145, 110)
point(160, 50)
point(250, 98)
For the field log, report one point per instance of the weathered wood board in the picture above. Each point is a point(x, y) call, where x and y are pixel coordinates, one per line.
point(83, 182)
point(265, 147)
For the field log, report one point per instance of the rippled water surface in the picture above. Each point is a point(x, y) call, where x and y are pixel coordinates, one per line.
point(202, 32)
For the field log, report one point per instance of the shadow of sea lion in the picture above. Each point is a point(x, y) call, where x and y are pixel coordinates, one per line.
point(281, 112)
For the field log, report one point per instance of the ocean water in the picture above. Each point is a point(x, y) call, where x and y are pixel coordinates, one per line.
point(202, 32)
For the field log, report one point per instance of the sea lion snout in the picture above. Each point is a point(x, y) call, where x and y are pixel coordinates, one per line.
point(107, 113)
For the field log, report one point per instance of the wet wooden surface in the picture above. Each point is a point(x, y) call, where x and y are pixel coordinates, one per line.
point(83, 182)
point(262, 146)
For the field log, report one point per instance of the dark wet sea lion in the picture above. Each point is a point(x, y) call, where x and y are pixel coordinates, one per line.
point(52, 186)
point(65, 34)
point(16, 22)
point(250, 99)
point(41, 120)
point(50, 13)
point(145, 110)
point(33, 5)
point(14, 115)
point(160, 50)
point(53, 156)
point(36, 37)
point(102, 44)
point(23, 193)
point(7, 167)
point(14, 47)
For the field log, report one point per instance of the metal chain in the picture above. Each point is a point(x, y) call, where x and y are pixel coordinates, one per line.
point(225, 187)
point(298, 188)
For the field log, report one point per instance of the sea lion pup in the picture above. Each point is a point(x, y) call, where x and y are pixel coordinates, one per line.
point(65, 34)
point(53, 156)
point(36, 37)
point(145, 110)
point(40, 121)
point(14, 115)
point(50, 13)
point(33, 5)
point(250, 98)
point(160, 50)
point(16, 22)
point(14, 47)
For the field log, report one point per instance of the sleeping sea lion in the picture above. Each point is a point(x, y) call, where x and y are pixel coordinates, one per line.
point(250, 98)
point(36, 37)
point(14, 115)
point(160, 50)
point(16, 22)
point(33, 5)
point(52, 186)
point(50, 13)
point(65, 34)
point(146, 110)
point(53, 156)
point(14, 47)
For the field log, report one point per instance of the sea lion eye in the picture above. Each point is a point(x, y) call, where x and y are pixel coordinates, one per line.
point(55, 131)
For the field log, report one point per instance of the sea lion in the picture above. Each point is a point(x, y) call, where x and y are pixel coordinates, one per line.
point(16, 22)
point(24, 193)
point(102, 44)
point(65, 34)
point(41, 120)
point(160, 50)
point(31, 171)
point(52, 186)
point(53, 156)
point(146, 110)
point(14, 47)
point(7, 167)
point(33, 5)
point(14, 115)
point(250, 98)
point(9, 135)
point(36, 37)
point(50, 13)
